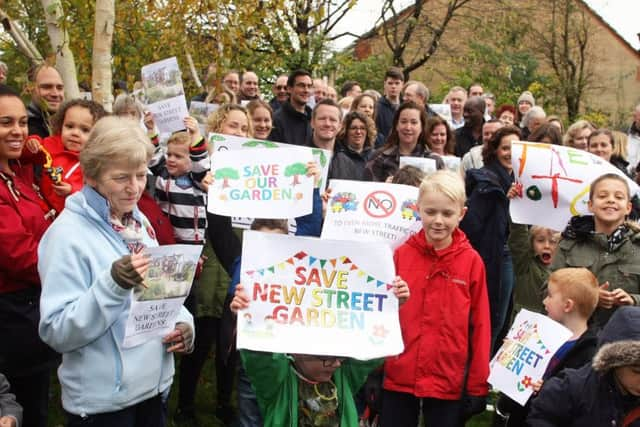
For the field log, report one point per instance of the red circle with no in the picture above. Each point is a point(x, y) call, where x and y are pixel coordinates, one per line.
point(378, 202)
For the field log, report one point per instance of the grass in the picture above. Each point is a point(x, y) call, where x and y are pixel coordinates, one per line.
point(205, 402)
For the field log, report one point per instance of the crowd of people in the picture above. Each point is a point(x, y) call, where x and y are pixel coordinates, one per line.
point(83, 192)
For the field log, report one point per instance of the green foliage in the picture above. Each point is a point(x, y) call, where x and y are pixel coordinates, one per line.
point(368, 72)
point(599, 118)
point(295, 169)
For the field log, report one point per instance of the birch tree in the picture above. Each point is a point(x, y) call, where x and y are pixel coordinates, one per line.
point(101, 74)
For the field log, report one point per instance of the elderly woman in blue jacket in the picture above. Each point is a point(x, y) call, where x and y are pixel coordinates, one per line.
point(90, 261)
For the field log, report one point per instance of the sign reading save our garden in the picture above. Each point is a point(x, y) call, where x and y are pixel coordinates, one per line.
point(316, 296)
point(261, 183)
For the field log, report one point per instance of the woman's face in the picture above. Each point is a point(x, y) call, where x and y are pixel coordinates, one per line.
point(601, 146)
point(438, 139)
point(503, 152)
point(121, 186)
point(366, 106)
point(262, 123)
point(581, 140)
point(409, 127)
point(236, 124)
point(506, 118)
point(524, 106)
point(356, 135)
point(13, 129)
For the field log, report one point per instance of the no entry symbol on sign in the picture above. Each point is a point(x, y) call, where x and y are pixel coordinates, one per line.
point(379, 204)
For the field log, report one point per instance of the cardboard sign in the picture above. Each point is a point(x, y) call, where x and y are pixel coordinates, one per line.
point(426, 165)
point(164, 94)
point(555, 182)
point(371, 212)
point(154, 309)
point(321, 297)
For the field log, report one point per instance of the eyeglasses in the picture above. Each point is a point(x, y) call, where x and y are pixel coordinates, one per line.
point(281, 87)
point(357, 128)
point(304, 85)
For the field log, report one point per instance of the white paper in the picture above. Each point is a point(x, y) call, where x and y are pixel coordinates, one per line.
point(452, 163)
point(321, 297)
point(443, 110)
point(371, 212)
point(554, 182)
point(154, 309)
point(164, 94)
point(262, 183)
point(527, 350)
point(426, 165)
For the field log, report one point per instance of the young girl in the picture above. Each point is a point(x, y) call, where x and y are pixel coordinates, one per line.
point(262, 118)
point(607, 245)
point(61, 174)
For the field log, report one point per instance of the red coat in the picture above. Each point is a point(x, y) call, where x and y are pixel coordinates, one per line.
point(22, 224)
point(445, 323)
point(159, 221)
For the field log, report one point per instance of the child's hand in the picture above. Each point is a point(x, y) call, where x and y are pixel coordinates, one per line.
point(605, 297)
point(33, 145)
point(192, 127)
point(400, 290)
point(326, 196)
point(314, 170)
point(207, 181)
point(389, 179)
point(148, 121)
point(537, 386)
point(620, 297)
point(240, 299)
point(63, 189)
point(7, 421)
point(515, 190)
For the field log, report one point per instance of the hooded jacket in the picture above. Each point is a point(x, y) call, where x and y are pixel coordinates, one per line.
point(445, 324)
point(530, 272)
point(291, 126)
point(590, 396)
point(84, 312)
point(347, 163)
point(581, 246)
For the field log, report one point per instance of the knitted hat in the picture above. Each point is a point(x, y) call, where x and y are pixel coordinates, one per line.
point(528, 97)
point(619, 341)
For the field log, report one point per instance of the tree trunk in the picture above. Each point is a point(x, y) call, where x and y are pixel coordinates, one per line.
point(101, 85)
point(65, 63)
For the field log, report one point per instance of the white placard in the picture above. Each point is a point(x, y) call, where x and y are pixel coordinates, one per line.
point(164, 94)
point(426, 165)
point(154, 309)
point(321, 297)
point(261, 183)
point(452, 163)
point(371, 212)
point(554, 183)
point(527, 350)
point(443, 110)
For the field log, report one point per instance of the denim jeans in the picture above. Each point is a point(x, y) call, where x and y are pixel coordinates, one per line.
point(248, 410)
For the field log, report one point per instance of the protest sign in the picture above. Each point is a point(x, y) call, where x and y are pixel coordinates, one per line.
point(443, 110)
point(554, 183)
point(426, 165)
point(164, 94)
point(371, 212)
point(265, 182)
point(200, 111)
point(452, 163)
point(322, 297)
point(527, 350)
point(154, 309)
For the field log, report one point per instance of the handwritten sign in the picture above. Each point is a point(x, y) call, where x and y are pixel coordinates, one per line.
point(371, 212)
point(200, 111)
point(426, 165)
point(555, 182)
point(527, 350)
point(261, 182)
point(316, 296)
point(154, 309)
point(164, 94)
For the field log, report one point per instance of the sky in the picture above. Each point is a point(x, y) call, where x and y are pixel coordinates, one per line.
point(622, 15)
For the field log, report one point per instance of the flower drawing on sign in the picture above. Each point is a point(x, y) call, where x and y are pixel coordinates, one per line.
point(409, 210)
point(343, 202)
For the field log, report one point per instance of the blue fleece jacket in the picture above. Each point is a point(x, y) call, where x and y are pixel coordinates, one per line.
point(84, 312)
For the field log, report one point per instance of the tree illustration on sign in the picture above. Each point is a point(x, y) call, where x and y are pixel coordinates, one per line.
point(255, 143)
point(295, 170)
point(226, 174)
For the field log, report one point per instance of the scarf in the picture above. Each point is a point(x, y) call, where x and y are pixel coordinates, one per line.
point(131, 231)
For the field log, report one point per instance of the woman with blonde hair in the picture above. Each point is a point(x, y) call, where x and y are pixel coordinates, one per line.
point(577, 135)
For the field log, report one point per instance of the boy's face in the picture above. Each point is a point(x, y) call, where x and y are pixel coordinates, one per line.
point(440, 216)
point(317, 368)
point(555, 303)
point(178, 160)
point(76, 128)
point(629, 379)
point(544, 245)
point(610, 203)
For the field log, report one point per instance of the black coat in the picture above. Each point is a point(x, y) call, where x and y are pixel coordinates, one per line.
point(37, 122)
point(291, 126)
point(385, 111)
point(348, 164)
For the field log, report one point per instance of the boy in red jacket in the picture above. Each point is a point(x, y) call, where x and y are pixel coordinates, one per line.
point(445, 325)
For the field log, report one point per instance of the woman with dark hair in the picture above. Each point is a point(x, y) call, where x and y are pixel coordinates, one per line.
point(486, 222)
point(24, 217)
point(441, 140)
point(407, 138)
point(547, 133)
point(353, 148)
point(366, 103)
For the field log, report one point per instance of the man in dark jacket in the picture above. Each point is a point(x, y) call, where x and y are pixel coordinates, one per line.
point(280, 94)
point(388, 104)
point(291, 123)
point(604, 393)
point(470, 134)
point(47, 93)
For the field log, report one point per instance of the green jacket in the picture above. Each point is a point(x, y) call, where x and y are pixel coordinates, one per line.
point(276, 387)
point(211, 286)
point(582, 247)
point(530, 273)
